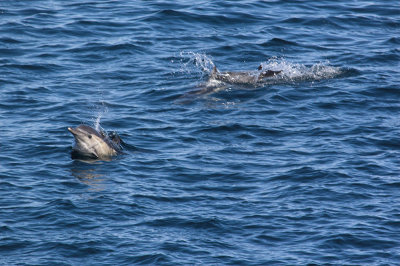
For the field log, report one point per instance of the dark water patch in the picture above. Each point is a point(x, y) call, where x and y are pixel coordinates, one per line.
point(392, 144)
point(33, 11)
point(197, 223)
point(11, 244)
point(294, 20)
point(305, 174)
point(322, 22)
point(181, 199)
point(354, 241)
point(10, 52)
point(84, 22)
point(181, 247)
point(155, 258)
point(393, 40)
point(235, 129)
point(278, 42)
point(10, 40)
point(375, 9)
point(181, 17)
point(33, 67)
point(332, 23)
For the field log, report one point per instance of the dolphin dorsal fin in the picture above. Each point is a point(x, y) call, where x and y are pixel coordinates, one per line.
point(214, 71)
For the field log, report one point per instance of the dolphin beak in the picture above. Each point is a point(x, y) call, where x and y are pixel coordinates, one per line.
point(73, 131)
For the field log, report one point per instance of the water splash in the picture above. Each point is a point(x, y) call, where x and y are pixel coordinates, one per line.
point(97, 122)
point(192, 62)
point(292, 72)
point(101, 109)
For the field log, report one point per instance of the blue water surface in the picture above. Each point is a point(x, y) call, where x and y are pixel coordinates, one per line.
point(300, 169)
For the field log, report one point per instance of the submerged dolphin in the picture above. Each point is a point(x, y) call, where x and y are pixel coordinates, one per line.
point(218, 81)
point(94, 144)
point(242, 77)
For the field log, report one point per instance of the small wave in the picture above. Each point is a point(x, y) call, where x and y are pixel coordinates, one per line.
point(393, 40)
point(10, 40)
point(33, 67)
point(99, 47)
point(278, 42)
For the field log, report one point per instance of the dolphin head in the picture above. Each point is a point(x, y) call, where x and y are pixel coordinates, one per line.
point(92, 143)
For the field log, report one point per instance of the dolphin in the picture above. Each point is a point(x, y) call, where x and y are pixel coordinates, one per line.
point(242, 77)
point(218, 81)
point(94, 144)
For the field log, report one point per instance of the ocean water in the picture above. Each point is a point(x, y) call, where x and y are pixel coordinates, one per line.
point(302, 168)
